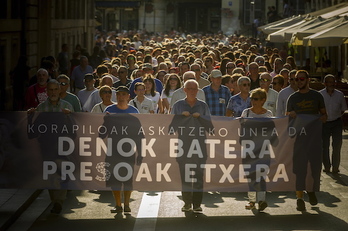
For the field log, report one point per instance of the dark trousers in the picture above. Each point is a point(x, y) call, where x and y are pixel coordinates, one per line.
point(333, 130)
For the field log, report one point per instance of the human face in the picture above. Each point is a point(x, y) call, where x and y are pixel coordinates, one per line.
point(230, 68)
point(216, 81)
point(173, 81)
point(265, 81)
point(106, 94)
point(42, 77)
point(89, 83)
point(148, 86)
point(140, 91)
point(64, 85)
point(191, 90)
point(107, 81)
point(197, 70)
point(276, 85)
point(302, 81)
point(122, 97)
point(253, 69)
point(53, 91)
point(330, 83)
point(244, 86)
point(257, 101)
point(122, 73)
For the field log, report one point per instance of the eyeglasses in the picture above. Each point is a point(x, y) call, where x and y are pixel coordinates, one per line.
point(63, 84)
point(300, 79)
point(255, 99)
point(265, 80)
point(246, 84)
point(106, 92)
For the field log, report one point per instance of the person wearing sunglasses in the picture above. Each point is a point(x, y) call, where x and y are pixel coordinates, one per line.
point(285, 93)
point(240, 101)
point(272, 95)
point(67, 96)
point(306, 101)
point(105, 93)
point(258, 98)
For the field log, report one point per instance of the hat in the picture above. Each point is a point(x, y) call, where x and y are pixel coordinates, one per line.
point(147, 65)
point(122, 89)
point(215, 73)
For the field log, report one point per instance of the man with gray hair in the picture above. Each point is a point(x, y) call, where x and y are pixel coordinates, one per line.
point(180, 93)
point(36, 93)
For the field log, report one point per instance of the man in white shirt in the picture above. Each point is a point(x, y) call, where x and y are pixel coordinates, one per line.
point(335, 104)
point(272, 95)
point(87, 91)
point(285, 93)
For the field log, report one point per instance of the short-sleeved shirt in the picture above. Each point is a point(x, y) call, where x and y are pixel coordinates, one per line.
point(180, 94)
point(282, 99)
point(305, 103)
point(114, 109)
point(47, 106)
point(144, 107)
point(237, 104)
point(181, 105)
point(335, 104)
point(74, 101)
point(271, 101)
point(217, 100)
point(248, 113)
point(78, 75)
point(159, 86)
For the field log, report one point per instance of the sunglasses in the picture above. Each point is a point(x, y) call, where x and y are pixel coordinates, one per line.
point(300, 79)
point(246, 84)
point(255, 99)
point(106, 92)
point(63, 84)
point(265, 80)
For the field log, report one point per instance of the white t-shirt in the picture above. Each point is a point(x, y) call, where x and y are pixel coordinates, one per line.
point(154, 100)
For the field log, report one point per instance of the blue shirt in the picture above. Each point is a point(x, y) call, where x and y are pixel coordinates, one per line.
point(181, 105)
point(237, 105)
point(217, 100)
point(114, 109)
point(159, 86)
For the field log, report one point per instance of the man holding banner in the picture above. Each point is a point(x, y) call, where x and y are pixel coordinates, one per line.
point(192, 189)
point(305, 101)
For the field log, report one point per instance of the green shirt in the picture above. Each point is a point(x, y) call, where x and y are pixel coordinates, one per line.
point(46, 106)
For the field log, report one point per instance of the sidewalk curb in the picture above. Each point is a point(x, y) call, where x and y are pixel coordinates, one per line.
point(25, 201)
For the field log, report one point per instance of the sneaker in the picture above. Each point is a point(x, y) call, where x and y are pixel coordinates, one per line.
point(312, 198)
point(250, 205)
point(117, 209)
point(197, 209)
point(186, 208)
point(127, 209)
point(57, 208)
point(262, 205)
point(300, 205)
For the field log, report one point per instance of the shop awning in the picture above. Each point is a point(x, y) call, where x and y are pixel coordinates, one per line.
point(117, 4)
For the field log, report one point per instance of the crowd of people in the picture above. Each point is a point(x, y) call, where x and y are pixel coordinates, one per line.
point(217, 75)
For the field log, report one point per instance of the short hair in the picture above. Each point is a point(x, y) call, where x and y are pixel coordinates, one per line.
point(52, 82)
point(191, 81)
point(243, 78)
point(102, 88)
point(139, 84)
point(62, 76)
point(42, 70)
point(280, 78)
point(259, 92)
point(302, 71)
point(329, 76)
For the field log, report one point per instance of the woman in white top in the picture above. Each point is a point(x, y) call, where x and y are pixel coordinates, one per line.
point(152, 94)
point(173, 83)
point(258, 98)
point(105, 93)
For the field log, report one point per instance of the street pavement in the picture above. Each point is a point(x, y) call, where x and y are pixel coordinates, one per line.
point(90, 210)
